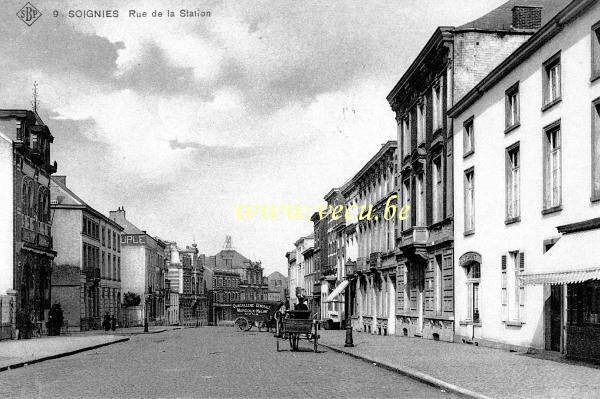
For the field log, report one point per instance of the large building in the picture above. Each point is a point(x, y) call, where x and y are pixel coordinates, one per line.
point(253, 286)
point(143, 271)
point(528, 194)
point(87, 271)
point(451, 63)
point(26, 251)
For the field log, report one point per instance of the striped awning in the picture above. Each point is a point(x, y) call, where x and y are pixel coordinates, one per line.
point(575, 276)
point(337, 291)
point(573, 259)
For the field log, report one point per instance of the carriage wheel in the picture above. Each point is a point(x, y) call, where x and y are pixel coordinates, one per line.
point(243, 324)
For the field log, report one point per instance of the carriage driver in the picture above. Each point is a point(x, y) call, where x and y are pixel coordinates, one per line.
point(300, 305)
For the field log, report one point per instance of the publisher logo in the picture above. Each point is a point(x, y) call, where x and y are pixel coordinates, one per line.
point(29, 14)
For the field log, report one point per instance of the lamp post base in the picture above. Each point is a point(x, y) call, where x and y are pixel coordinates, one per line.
point(349, 341)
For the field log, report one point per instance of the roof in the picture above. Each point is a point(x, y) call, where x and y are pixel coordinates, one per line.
point(497, 20)
point(536, 41)
point(391, 144)
point(80, 203)
point(500, 18)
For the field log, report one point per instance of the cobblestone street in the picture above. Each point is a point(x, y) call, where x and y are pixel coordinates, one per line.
point(208, 362)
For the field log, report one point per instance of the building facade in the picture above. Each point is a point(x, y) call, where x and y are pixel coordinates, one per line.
point(293, 281)
point(88, 260)
point(370, 243)
point(451, 63)
point(143, 271)
point(225, 291)
point(26, 251)
point(277, 286)
point(319, 259)
point(527, 194)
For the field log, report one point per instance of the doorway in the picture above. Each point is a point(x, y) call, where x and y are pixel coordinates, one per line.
point(555, 317)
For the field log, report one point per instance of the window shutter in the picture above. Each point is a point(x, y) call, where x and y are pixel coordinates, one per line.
point(521, 287)
point(522, 262)
point(546, 170)
point(504, 293)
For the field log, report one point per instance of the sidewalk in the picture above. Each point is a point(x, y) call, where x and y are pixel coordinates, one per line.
point(17, 353)
point(128, 331)
point(471, 370)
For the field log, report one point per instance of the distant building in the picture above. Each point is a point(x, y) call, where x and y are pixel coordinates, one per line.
point(252, 285)
point(143, 271)
point(26, 252)
point(87, 280)
point(225, 291)
point(277, 285)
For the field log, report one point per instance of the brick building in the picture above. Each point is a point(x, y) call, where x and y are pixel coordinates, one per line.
point(451, 63)
point(26, 251)
point(225, 290)
point(88, 260)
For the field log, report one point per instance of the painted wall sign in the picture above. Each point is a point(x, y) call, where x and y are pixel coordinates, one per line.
point(133, 239)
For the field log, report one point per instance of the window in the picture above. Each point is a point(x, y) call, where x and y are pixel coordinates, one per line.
point(438, 193)
point(406, 223)
point(585, 298)
point(420, 203)
point(595, 40)
point(513, 292)
point(552, 166)
point(596, 150)
point(406, 136)
point(108, 240)
point(512, 183)
point(468, 137)
point(552, 80)
point(421, 119)
point(103, 265)
point(114, 240)
point(108, 266)
point(473, 274)
point(512, 107)
point(469, 200)
point(437, 107)
point(103, 236)
point(438, 284)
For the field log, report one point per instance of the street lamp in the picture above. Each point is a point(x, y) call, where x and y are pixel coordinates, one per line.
point(349, 341)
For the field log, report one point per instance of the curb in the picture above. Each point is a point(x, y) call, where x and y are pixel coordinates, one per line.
point(414, 374)
point(59, 355)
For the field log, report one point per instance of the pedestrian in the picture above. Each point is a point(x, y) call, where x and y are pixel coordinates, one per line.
point(106, 322)
point(113, 323)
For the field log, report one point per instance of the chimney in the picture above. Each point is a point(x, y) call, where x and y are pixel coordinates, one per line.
point(61, 179)
point(118, 215)
point(527, 17)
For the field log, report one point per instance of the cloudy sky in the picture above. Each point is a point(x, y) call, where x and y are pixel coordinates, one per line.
point(181, 119)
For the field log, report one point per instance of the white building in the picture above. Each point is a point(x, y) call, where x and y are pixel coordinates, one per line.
point(527, 194)
point(293, 282)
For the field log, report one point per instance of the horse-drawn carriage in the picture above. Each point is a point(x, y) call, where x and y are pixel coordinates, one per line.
point(261, 314)
point(295, 325)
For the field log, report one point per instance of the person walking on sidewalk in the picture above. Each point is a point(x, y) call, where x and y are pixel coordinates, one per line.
point(113, 323)
point(106, 322)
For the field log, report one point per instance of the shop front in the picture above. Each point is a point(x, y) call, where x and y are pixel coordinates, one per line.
point(570, 271)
